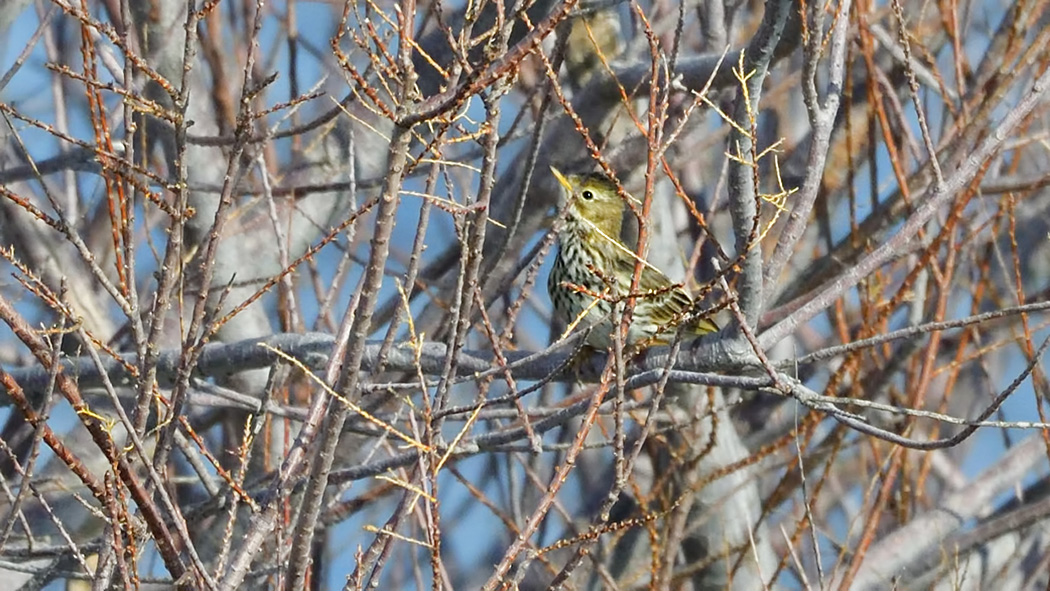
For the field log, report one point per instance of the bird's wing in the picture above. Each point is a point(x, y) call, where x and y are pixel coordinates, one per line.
point(668, 302)
point(653, 282)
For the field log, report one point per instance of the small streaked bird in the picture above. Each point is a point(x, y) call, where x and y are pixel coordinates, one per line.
point(593, 271)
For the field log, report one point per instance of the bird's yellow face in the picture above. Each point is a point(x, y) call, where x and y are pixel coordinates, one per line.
point(593, 197)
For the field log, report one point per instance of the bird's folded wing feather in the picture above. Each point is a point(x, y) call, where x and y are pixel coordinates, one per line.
point(652, 280)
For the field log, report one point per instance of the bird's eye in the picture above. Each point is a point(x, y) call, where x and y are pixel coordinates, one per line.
point(588, 195)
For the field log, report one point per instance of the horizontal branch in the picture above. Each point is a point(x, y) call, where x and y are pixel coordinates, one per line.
point(693, 365)
point(312, 349)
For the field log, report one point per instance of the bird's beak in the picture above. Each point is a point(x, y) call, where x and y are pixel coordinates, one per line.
point(561, 179)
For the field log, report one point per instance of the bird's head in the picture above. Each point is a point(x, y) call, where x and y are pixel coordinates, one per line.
point(592, 198)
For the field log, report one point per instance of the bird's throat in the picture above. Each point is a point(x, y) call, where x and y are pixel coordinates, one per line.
point(602, 236)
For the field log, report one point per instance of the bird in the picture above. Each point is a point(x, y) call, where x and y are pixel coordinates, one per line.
point(593, 269)
point(593, 38)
